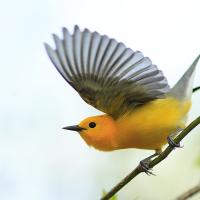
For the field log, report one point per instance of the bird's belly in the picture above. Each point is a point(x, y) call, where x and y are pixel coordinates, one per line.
point(144, 139)
point(149, 125)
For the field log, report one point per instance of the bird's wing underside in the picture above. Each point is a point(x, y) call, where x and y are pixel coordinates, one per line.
point(106, 74)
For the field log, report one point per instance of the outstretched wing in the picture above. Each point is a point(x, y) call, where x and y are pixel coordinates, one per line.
point(106, 74)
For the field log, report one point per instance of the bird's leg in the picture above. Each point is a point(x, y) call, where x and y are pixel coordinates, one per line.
point(144, 164)
point(170, 139)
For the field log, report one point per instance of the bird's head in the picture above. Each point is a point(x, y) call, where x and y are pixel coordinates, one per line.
point(97, 131)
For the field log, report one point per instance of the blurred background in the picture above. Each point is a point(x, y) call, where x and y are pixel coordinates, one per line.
point(39, 160)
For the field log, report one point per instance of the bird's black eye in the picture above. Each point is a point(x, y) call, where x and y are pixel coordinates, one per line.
point(92, 124)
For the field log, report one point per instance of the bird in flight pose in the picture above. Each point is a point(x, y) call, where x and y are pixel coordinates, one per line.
point(141, 110)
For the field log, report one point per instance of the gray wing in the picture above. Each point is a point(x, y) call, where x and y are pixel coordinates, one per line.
point(106, 74)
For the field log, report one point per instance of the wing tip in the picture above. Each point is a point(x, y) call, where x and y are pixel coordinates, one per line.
point(64, 29)
point(48, 48)
point(76, 28)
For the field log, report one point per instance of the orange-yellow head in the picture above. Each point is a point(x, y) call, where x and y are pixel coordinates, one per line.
point(97, 131)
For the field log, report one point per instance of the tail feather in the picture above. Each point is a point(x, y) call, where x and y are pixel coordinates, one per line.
point(184, 87)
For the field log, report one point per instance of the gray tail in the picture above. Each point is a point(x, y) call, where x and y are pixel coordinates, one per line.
point(184, 87)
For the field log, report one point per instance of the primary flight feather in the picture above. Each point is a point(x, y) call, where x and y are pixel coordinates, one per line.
point(141, 110)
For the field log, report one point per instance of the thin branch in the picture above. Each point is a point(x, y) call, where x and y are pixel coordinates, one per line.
point(154, 162)
point(191, 192)
point(195, 89)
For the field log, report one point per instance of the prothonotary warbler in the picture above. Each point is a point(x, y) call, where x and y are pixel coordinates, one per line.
point(141, 110)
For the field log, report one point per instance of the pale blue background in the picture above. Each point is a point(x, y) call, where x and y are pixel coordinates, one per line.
point(39, 160)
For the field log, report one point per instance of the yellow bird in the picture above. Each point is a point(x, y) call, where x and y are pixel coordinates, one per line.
point(141, 110)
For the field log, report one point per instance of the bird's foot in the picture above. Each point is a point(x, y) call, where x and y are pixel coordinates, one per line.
point(144, 164)
point(172, 143)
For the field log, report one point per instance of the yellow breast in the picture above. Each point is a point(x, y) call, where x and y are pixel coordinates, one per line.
point(148, 126)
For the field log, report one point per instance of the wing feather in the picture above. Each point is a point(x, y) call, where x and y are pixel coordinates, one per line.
point(77, 37)
point(106, 74)
point(67, 43)
point(86, 38)
point(55, 60)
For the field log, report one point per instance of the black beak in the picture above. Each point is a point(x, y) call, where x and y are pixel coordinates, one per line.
point(74, 128)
